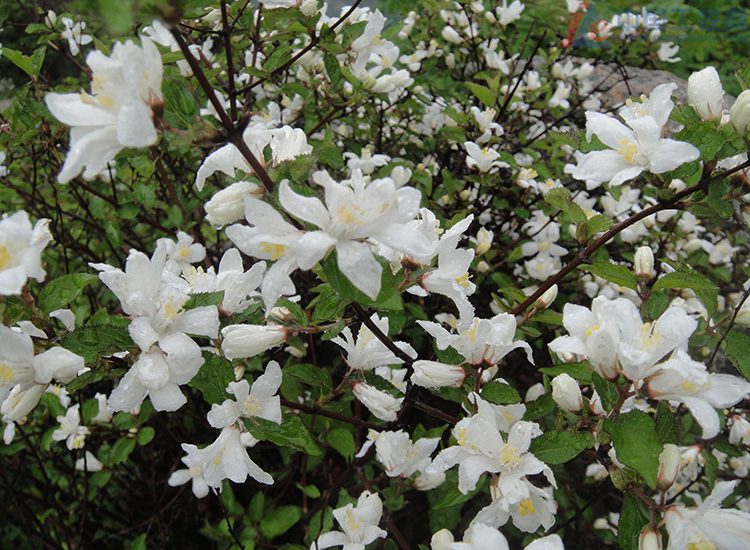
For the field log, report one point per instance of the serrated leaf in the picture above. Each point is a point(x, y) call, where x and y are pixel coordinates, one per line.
point(539, 407)
point(579, 371)
point(598, 224)
point(560, 198)
point(667, 427)
point(291, 432)
point(705, 136)
point(743, 75)
point(607, 391)
point(482, 93)
point(59, 292)
point(738, 351)
point(716, 192)
point(342, 440)
point(637, 444)
point(500, 394)
point(213, 378)
point(91, 343)
point(703, 288)
point(310, 375)
point(388, 297)
point(558, 447)
point(634, 516)
point(616, 274)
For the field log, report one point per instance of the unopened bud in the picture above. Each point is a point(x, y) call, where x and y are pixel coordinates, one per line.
point(50, 19)
point(281, 314)
point(442, 540)
point(743, 315)
point(705, 93)
point(739, 114)
point(241, 341)
point(547, 298)
point(643, 264)
point(228, 205)
point(649, 539)
point(669, 466)
point(566, 393)
point(483, 267)
point(677, 185)
point(432, 374)
point(465, 194)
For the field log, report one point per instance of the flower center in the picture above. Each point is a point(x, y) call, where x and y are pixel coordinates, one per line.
point(5, 257)
point(526, 507)
point(275, 250)
point(510, 457)
point(628, 150)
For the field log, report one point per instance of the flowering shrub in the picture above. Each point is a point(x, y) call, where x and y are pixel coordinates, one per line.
point(284, 276)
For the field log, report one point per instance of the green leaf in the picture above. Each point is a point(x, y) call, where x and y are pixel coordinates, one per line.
point(634, 516)
point(388, 297)
point(455, 497)
point(213, 378)
point(716, 200)
point(145, 435)
point(705, 136)
point(311, 490)
point(616, 274)
point(84, 379)
point(291, 432)
point(560, 198)
point(598, 224)
point(204, 299)
point(579, 371)
point(342, 440)
point(558, 447)
point(483, 93)
point(333, 69)
point(743, 75)
point(122, 449)
point(738, 351)
point(667, 427)
point(255, 509)
point(91, 343)
point(710, 467)
point(21, 61)
point(638, 446)
point(59, 292)
point(311, 375)
point(118, 14)
point(548, 317)
point(500, 394)
point(539, 407)
point(280, 520)
point(607, 391)
point(703, 288)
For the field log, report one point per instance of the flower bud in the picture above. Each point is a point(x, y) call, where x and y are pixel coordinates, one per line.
point(281, 314)
point(677, 185)
point(740, 113)
point(743, 315)
point(241, 341)
point(383, 405)
point(566, 393)
point(442, 540)
point(431, 374)
point(649, 539)
point(228, 205)
point(451, 35)
point(669, 466)
point(50, 19)
point(534, 392)
point(643, 264)
point(547, 298)
point(705, 93)
point(484, 240)
point(483, 267)
point(309, 7)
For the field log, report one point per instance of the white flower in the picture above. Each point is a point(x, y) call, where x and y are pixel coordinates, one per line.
point(381, 404)
point(400, 456)
point(90, 463)
point(355, 210)
point(368, 352)
point(359, 525)
point(484, 340)
point(73, 33)
point(20, 251)
point(485, 159)
point(70, 430)
point(225, 458)
point(708, 526)
point(668, 51)
point(481, 448)
point(242, 341)
point(259, 400)
point(507, 14)
point(705, 93)
point(125, 89)
point(740, 112)
point(686, 381)
point(634, 150)
point(228, 205)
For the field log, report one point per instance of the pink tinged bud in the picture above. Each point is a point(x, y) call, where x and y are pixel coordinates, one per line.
point(643, 264)
point(669, 466)
point(242, 341)
point(649, 539)
point(566, 393)
point(281, 314)
point(383, 405)
point(739, 114)
point(547, 298)
point(705, 93)
point(431, 374)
